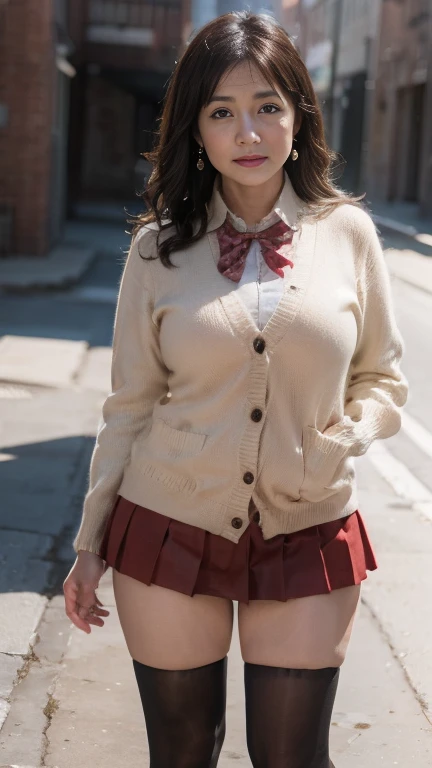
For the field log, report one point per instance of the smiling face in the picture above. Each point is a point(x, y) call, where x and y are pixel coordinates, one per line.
point(247, 116)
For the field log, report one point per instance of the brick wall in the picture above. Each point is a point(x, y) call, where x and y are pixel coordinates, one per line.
point(27, 72)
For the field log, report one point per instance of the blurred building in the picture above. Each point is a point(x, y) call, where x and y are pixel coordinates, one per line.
point(203, 11)
point(399, 162)
point(81, 90)
point(34, 83)
point(368, 60)
point(335, 38)
point(125, 51)
point(82, 84)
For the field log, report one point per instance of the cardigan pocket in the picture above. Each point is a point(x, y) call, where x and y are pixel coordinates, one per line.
point(176, 442)
point(328, 467)
point(156, 456)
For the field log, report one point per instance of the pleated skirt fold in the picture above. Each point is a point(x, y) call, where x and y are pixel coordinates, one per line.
point(155, 549)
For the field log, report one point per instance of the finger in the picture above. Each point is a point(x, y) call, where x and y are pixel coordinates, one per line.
point(79, 622)
point(96, 620)
point(70, 591)
point(77, 613)
point(84, 611)
point(71, 605)
point(90, 617)
point(99, 602)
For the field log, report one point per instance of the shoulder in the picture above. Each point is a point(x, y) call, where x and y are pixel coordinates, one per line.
point(145, 240)
point(356, 223)
point(142, 259)
point(150, 235)
point(139, 257)
point(146, 234)
point(354, 219)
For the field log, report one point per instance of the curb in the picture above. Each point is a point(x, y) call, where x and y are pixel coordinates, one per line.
point(411, 267)
point(403, 229)
point(64, 266)
point(396, 226)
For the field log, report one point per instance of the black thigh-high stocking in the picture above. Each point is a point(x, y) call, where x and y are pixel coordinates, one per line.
point(184, 712)
point(288, 713)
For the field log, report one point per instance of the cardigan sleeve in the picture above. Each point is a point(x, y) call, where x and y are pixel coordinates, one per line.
point(377, 389)
point(138, 379)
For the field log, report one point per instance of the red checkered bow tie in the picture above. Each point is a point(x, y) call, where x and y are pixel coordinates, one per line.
point(234, 246)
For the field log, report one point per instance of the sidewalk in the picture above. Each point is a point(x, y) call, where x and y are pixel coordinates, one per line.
point(95, 717)
point(403, 218)
point(411, 267)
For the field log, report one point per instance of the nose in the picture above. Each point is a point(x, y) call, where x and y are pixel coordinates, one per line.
point(247, 133)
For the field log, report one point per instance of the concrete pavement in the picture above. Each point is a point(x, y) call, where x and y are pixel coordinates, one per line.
point(75, 697)
point(93, 716)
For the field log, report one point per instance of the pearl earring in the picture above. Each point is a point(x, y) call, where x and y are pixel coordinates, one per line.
point(294, 154)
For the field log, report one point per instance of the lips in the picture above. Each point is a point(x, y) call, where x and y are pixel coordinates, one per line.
point(251, 161)
point(251, 157)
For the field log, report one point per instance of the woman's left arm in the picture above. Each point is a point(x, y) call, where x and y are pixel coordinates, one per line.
point(377, 389)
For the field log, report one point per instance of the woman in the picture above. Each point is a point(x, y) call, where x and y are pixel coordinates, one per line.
point(255, 355)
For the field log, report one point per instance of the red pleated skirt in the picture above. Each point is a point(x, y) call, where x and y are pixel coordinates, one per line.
point(155, 549)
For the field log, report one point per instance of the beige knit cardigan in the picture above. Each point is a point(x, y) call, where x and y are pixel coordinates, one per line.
point(207, 411)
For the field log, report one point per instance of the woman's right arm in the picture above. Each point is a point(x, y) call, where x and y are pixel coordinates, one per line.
point(138, 379)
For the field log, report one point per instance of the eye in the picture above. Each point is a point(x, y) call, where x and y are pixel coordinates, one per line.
point(271, 105)
point(214, 115)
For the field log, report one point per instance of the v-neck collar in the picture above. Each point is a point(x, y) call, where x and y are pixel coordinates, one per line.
point(289, 303)
point(294, 212)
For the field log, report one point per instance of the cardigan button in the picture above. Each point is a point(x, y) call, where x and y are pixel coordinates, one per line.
point(256, 414)
point(259, 345)
point(236, 522)
point(248, 477)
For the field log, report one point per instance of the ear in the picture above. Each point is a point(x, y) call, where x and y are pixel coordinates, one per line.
point(297, 122)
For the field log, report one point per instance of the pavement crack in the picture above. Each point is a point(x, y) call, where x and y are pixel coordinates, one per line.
point(49, 711)
point(28, 659)
point(420, 697)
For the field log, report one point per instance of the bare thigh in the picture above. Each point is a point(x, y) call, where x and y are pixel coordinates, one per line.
point(304, 633)
point(169, 630)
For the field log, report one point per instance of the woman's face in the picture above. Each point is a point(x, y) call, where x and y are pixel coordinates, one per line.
point(247, 117)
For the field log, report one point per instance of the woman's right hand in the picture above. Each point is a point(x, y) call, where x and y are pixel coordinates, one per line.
point(79, 589)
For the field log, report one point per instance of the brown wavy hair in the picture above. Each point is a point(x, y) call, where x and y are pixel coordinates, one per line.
point(176, 189)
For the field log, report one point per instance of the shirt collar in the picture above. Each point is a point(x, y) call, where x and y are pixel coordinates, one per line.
point(288, 207)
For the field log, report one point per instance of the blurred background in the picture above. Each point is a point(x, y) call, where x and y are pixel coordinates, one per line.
point(81, 89)
point(81, 85)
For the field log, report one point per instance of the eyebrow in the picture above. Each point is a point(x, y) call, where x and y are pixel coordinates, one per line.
point(259, 95)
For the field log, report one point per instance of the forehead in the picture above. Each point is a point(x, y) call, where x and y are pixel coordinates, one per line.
point(243, 75)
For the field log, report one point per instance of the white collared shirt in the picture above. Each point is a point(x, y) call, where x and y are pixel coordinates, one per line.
point(260, 288)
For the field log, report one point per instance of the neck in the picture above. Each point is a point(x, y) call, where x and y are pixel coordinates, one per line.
point(251, 203)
